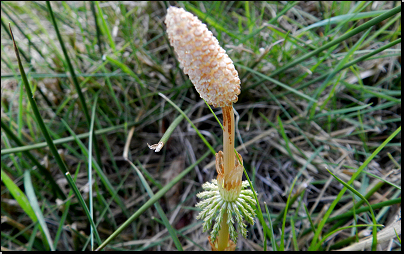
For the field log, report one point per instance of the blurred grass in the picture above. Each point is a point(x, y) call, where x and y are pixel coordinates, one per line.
point(321, 89)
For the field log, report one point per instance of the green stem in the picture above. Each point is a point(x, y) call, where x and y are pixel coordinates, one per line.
point(223, 237)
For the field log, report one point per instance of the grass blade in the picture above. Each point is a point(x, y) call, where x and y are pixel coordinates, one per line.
point(66, 210)
point(18, 195)
point(97, 27)
point(366, 201)
point(282, 131)
point(399, 239)
point(282, 246)
point(105, 26)
point(90, 173)
point(292, 225)
point(337, 19)
point(271, 230)
point(52, 147)
point(35, 206)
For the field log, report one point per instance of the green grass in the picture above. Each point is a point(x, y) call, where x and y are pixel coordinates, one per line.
point(319, 114)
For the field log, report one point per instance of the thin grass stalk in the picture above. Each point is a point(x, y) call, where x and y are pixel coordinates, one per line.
point(379, 31)
point(365, 209)
point(310, 220)
point(75, 81)
point(48, 139)
point(271, 231)
point(97, 27)
point(5, 28)
point(258, 208)
point(23, 148)
point(32, 241)
point(292, 225)
point(22, 230)
point(66, 210)
point(358, 204)
point(15, 241)
point(288, 203)
point(343, 18)
point(90, 173)
point(105, 26)
point(148, 176)
point(29, 189)
point(291, 89)
point(272, 20)
point(25, 35)
point(18, 195)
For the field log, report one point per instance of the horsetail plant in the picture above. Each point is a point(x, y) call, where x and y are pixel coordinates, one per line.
point(216, 80)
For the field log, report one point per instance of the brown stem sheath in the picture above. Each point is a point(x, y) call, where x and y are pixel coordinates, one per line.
point(228, 139)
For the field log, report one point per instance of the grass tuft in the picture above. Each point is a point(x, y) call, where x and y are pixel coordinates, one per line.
point(319, 114)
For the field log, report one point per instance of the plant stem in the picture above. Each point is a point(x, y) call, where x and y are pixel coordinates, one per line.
point(228, 160)
point(228, 140)
point(223, 237)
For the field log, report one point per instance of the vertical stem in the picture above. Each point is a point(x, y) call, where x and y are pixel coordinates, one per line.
point(228, 140)
point(223, 237)
point(228, 161)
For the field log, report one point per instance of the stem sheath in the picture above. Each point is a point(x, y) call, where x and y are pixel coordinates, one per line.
point(228, 140)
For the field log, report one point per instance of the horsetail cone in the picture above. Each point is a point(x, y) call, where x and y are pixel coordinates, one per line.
point(227, 199)
point(208, 66)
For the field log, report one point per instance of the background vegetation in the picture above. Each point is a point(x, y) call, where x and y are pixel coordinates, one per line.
point(321, 93)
